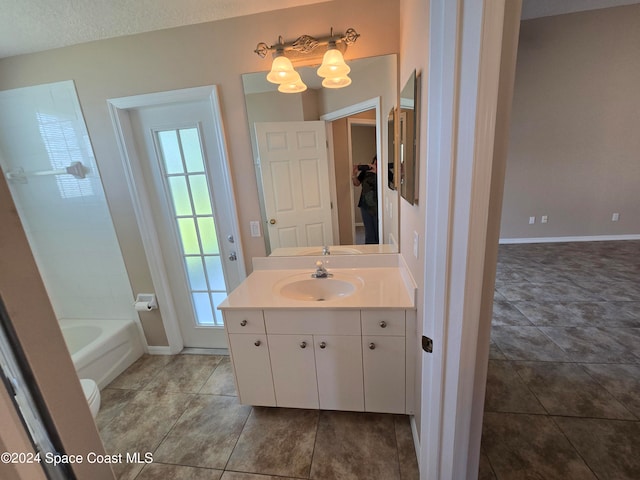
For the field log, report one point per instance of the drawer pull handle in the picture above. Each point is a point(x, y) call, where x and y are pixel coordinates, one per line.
point(243, 323)
point(372, 346)
point(303, 344)
point(257, 343)
point(323, 344)
point(383, 324)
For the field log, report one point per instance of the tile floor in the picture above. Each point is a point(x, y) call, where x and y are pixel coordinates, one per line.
point(562, 400)
point(563, 388)
point(184, 410)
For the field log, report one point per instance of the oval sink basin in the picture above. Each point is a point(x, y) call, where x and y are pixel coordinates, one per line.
point(303, 287)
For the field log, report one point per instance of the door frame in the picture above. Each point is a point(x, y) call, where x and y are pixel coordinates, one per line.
point(371, 104)
point(472, 46)
point(119, 110)
point(350, 123)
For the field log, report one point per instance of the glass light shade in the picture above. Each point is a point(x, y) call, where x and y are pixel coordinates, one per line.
point(282, 71)
point(333, 64)
point(336, 82)
point(296, 86)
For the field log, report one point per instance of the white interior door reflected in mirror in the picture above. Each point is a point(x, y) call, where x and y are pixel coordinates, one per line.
point(294, 170)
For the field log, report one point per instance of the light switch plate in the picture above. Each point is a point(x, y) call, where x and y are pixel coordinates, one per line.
point(255, 228)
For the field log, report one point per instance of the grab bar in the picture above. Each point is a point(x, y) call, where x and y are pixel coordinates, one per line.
point(18, 175)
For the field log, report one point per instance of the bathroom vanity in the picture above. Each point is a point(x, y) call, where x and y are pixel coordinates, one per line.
point(345, 342)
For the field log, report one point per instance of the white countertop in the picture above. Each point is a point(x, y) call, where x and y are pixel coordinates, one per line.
point(335, 250)
point(380, 287)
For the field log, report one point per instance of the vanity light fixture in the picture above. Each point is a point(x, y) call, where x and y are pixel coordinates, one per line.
point(333, 69)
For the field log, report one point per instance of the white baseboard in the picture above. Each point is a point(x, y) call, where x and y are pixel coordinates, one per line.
point(594, 238)
point(159, 350)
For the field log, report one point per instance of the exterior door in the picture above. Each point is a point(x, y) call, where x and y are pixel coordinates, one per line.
point(294, 166)
point(191, 214)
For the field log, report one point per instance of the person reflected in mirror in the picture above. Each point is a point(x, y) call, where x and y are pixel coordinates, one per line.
point(367, 177)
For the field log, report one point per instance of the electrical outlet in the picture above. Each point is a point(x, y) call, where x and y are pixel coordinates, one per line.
point(615, 217)
point(544, 219)
point(255, 228)
point(532, 220)
point(416, 240)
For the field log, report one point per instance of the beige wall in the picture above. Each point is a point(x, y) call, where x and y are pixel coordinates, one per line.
point(574, 151)
point(208, 53)
point(414, 37)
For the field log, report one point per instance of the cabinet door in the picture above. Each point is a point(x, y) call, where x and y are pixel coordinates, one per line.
point(294, 370)
point(250, 356)
point(384, 373)
point(339, 370)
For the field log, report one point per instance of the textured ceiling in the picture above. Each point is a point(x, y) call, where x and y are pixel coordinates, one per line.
point(28, 26)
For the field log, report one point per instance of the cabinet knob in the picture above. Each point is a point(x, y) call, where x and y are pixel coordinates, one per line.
point(323, 344)
point(383, 324)
point(372, 346)
point(303, 344)
point(243, 323)
point(257, 343)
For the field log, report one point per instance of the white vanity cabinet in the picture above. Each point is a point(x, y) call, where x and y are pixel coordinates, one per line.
point(339, 372)
point(250, 357)
point(294, 370)
point(335, 341)
point(330, 359)
point(384, 360)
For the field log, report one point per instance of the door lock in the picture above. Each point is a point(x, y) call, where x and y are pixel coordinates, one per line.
point(230, 238)
point(233, 257)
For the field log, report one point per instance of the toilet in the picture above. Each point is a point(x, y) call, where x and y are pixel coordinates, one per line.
point(92, 394)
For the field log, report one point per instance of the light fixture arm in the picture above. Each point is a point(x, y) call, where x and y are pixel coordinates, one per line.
point(306, 43)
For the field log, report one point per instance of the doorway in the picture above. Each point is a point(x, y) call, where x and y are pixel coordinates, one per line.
point(174, 153)
point(362, 150)
point(340, 128)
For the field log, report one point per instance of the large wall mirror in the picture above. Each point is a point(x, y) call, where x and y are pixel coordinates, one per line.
point(408, 131)
point(306, 146)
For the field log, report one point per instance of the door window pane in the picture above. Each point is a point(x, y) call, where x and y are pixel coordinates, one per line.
point(200, 192)
point(214, 272)
point(202, 306)
point(195, 272)
point(180, 196)
point(217, 298)
point(192, 151)
point(208, 235)
point(188, 235)
point(170, 151)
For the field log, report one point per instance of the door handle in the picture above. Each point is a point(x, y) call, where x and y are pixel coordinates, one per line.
point(233, 257)
point(272, 221)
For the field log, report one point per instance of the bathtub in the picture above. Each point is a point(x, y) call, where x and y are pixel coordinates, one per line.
point(101, 349)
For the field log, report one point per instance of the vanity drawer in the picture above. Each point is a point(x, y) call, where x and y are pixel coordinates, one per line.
point(383, 322)
point(244, 321)
point(319, 322)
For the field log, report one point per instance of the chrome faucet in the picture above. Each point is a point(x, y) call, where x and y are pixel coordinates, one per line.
point(325, 250)
point(321, 271)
